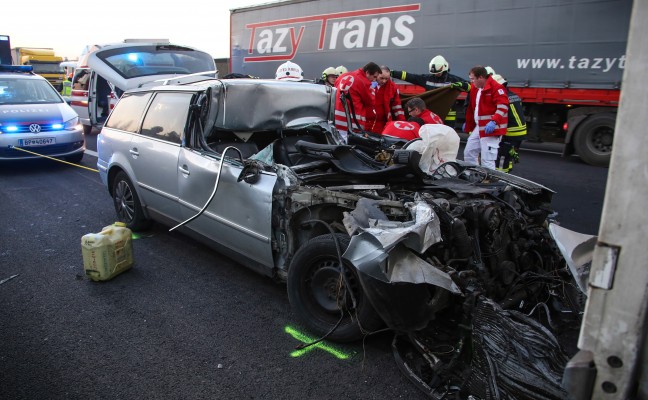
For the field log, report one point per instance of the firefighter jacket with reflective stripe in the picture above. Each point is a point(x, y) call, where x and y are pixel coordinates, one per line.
point(357, 89)
point(431, 82)
point(428, 81)
point(388, 106)
point(430, 118)
point(516, 121)
point(493, 106)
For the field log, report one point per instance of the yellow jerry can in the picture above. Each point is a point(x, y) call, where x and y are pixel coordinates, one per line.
point(107, 253)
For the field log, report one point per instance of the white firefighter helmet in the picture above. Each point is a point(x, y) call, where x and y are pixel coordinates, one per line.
point(329, 71)
point(341, 70)
point(490, 70)
point(499, 79)
point(289, 71)
point(438, 65)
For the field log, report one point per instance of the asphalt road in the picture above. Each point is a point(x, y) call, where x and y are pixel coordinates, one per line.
point(185, 322)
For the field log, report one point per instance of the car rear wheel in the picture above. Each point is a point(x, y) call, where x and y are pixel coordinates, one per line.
point(321, 296)
point(127, 203)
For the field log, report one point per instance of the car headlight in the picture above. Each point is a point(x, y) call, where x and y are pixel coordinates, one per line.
point(71, 124)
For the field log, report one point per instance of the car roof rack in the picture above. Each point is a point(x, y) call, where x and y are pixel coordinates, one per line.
point(25, 69)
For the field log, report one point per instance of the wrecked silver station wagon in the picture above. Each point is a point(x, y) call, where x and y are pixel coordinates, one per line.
point(447, 258)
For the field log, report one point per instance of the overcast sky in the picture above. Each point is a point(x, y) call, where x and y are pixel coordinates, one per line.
point(68, 27)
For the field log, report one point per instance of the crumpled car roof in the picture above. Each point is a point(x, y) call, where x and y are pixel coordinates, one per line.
point(254, 105)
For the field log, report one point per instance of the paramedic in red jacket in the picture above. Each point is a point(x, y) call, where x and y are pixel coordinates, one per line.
point(388, 103)
point(486, 118)
point(356, 87)
point(416, 108)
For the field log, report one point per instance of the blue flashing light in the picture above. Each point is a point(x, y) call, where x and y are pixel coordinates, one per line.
point(16, 68)
point(11, 128)
point(133, 57)
point(57, 126)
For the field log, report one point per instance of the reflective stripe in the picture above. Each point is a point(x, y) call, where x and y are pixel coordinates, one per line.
point(483, 117)
point(517, 131)
point(502, 106)
point(436, 84)
point(500, 112)
point(401, 112)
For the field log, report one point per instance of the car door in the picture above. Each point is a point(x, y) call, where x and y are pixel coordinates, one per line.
point(154, 152)
point(239, 215)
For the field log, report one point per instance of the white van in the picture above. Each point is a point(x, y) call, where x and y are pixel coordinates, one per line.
point(104, 72)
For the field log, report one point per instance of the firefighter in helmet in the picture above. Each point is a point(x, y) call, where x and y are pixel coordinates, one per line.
point(439, 76)
point(329, 75)
point(509, 147)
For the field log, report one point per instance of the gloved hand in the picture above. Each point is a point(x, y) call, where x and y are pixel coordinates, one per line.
point(490, 127)
point(463, 86)
point(374, 85)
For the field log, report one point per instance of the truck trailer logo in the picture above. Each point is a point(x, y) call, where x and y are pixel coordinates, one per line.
point(279, 40)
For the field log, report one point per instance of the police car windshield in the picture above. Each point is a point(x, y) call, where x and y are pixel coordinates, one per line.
point(157, 60)
point(27, 91)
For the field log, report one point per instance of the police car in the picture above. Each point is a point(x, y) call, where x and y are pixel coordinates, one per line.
point(34, 118)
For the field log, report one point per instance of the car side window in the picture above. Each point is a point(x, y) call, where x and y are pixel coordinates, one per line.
point(127, 115)
point(166, 118)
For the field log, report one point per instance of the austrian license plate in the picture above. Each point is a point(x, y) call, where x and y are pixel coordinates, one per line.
point(37, 142)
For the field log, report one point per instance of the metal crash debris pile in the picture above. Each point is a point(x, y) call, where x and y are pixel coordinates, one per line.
point(465, 284)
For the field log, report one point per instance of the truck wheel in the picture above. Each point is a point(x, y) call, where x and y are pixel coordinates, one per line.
point(593, 141)
point(316, 291)
point(127, 203)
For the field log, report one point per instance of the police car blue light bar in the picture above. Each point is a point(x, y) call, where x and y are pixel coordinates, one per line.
point(16, 68)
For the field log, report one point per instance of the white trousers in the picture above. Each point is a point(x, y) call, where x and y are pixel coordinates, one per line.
point(486, 146)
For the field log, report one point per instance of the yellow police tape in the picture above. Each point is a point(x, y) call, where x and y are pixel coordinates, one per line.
point(55, 159)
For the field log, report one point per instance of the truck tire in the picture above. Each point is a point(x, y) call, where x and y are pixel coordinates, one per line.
point(593, 139)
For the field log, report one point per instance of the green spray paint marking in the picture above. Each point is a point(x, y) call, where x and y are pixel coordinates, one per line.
point(135, 236)
point(307, 339)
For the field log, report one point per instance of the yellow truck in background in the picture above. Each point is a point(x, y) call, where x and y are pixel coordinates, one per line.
point(44, 61)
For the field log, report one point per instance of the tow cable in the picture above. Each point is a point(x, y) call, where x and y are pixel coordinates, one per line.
point(52, 158)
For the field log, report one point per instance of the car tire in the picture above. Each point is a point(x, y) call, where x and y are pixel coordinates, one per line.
point(127, 203)
point(593, 140)
point(75, 158)
point(313, 278)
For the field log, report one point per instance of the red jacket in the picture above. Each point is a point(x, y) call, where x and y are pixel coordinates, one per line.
point(357, 85)
point(493, 106)
point(402, 129)
point(430, 118)
point(388, 106)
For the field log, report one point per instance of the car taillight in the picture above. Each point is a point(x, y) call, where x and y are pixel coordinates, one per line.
point(565, 127)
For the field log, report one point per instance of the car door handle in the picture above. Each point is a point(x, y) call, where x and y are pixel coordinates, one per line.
point(184, 170)
point(134, 151)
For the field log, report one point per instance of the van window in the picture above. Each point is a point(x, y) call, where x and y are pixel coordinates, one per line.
point(128, 113)
point(156, 60)
point(167, 116)
point(81, 79)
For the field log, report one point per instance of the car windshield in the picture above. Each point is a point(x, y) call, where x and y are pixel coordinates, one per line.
point(157, 60)
point(27, 91)
point(46, 67)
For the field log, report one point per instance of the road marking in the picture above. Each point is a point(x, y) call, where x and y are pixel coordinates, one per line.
point(307, 339)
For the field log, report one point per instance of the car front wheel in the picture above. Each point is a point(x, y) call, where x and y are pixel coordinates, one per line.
point(321, 291)
point(127, 203)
